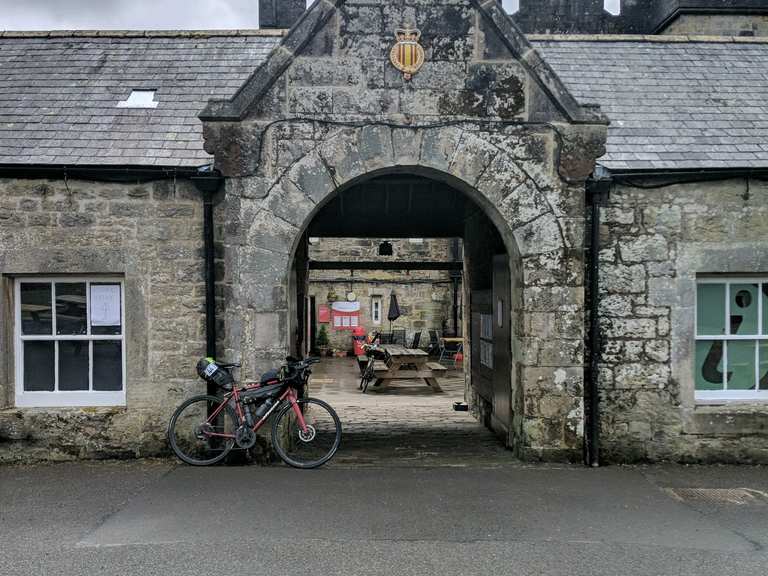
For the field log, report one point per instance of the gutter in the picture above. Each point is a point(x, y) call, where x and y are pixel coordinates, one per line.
point(105, 173)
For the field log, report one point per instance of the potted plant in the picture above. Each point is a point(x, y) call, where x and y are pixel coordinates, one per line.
point(322, 341)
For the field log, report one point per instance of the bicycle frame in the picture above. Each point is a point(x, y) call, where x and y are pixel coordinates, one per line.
point(289, 395)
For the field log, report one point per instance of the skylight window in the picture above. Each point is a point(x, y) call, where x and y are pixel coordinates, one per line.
point(612, 7)
point(139, 99)
point(511, 6)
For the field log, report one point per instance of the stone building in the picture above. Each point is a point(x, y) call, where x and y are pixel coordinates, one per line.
point(159, 191)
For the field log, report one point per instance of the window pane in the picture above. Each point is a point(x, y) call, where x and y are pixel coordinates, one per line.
point(710, 309)
point(709, 365)
point(107, 366)
point(741, 364)
point(106, 309)
point(38, 366)
point(71, 315)
point(73, 365)
point(744, 307)
point(765, 309)
point(763, 366)
point(36, 314)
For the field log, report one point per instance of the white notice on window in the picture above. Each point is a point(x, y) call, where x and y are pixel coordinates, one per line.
point(105, 305)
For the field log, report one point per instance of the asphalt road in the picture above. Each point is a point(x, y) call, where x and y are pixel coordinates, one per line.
point(145, 518)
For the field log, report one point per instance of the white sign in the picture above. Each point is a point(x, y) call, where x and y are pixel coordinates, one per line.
point(105, 305)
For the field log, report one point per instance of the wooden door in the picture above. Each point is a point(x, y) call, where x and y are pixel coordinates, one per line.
point(481, 340)
point(501, 418)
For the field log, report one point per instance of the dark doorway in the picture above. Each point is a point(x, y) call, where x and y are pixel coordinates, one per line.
point(406, 211)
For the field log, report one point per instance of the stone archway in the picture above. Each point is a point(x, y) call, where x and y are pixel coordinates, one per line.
point(510, 178)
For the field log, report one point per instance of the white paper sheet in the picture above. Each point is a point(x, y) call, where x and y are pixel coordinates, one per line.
point(105, 305)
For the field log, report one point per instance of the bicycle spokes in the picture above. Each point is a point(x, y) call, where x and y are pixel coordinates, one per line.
point(313, 444)
point(200, 437)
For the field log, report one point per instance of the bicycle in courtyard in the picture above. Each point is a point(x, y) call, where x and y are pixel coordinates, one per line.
point(375, 354)
point(306, 432)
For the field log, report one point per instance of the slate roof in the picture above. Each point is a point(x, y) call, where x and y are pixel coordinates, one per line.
point(58, 94)
point(674, 102)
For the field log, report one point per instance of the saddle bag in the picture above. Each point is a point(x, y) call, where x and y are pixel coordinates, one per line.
point(211, 371)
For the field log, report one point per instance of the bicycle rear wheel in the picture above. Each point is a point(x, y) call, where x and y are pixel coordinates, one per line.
point(313, 448)
point(193, 435)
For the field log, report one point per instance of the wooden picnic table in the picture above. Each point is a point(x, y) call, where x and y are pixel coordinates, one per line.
point(406, 364)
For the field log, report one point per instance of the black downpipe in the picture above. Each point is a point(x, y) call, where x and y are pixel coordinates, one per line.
point(209, 184)
point(210, 276)
point(596, 193)
point(455, 279)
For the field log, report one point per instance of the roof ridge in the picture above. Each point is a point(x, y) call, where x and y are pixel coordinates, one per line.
point(139, 33)
point(659, 39)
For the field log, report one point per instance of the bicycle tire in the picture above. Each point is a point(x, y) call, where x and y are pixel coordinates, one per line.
point(366, 379)
point(279, 439)
point(173, 436)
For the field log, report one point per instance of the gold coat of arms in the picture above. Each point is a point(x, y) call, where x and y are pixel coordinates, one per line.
point(407, 55)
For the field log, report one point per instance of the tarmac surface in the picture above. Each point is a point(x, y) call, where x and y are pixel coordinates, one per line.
point(416, 489)
point(156, 517)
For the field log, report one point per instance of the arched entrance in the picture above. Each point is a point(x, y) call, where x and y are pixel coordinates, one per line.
point(534, 292)
point(464, 247)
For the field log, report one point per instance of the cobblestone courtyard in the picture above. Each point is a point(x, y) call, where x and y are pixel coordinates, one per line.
point(405, 423)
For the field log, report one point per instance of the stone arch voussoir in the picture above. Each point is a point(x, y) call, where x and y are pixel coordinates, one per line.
point(512, 200)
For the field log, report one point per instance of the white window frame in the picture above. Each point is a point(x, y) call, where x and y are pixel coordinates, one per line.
point(376, 315)
point(725, 394)
point(57, 398)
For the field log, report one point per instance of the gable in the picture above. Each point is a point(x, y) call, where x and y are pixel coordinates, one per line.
point(336, 61)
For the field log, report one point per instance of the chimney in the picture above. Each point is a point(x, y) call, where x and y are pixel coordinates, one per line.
point(280, 13)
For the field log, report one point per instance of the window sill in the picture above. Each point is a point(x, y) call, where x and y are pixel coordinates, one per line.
point(732, 397)
point(728, 419)
point(70, 400)
point(736, 405)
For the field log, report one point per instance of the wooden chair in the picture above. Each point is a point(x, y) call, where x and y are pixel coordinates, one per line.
point(450, 350)
point(398, 336)
point(433, 349)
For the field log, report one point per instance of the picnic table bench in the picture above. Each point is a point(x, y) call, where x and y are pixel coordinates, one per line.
point(406, 364)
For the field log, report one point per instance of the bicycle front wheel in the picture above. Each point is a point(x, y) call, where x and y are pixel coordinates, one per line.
point(196, 437)
point(310, 448)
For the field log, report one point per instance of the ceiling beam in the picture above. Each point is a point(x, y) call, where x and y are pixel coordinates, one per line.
point(379, 265)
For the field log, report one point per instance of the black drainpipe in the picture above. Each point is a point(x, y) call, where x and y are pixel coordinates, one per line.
point(209, 183)
point(455, 279)
point(598, 189)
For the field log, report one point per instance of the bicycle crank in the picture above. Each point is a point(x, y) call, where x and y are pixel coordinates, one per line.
point(245, 437)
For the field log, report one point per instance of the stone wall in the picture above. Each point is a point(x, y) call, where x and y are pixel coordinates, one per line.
point(151, 236)
point(655, 242)
point(719, 25)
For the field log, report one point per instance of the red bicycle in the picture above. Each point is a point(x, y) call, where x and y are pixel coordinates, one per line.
point(306, 432)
